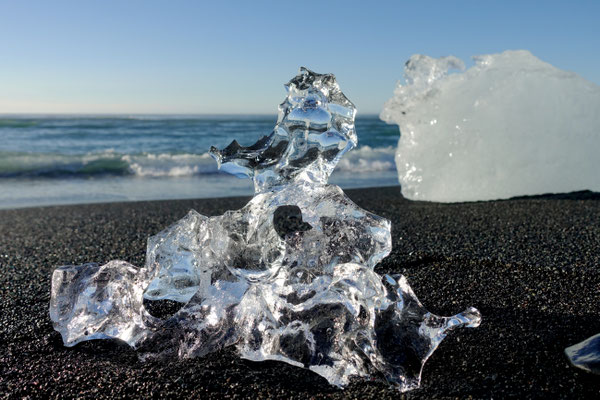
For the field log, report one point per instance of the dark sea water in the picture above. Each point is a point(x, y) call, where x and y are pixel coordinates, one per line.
point(70, 160)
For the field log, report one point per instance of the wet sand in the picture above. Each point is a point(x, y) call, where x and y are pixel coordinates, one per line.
point(531, 266)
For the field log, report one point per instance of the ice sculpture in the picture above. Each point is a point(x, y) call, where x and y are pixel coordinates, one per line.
point(510, 125)
point(586, 355)
point(289, 277)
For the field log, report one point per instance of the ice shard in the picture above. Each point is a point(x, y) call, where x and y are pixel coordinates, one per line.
point(288, 277)
point(586, 355)
point(510, 125)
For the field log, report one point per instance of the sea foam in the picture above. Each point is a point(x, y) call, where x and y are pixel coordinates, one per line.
point(368, 159)
point(105, 163)
point(510, 125)
point(149, 165)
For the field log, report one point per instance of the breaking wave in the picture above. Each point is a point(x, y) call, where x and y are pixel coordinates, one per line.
point(162, 165)
point(47, 165)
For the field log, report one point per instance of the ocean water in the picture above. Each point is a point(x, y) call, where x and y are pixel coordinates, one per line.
point(88, 159)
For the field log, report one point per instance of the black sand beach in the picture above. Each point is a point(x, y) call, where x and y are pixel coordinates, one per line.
point(530, 265)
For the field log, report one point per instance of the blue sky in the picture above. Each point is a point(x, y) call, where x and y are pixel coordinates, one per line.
point(233, 57)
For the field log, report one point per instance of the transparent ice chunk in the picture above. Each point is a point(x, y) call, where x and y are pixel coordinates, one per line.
point(90, 301)
point(288, 277)
point(510, 125)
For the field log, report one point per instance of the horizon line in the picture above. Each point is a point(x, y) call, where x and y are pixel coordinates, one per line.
point(81, 114)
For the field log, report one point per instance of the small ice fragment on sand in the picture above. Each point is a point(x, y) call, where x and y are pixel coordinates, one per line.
point(288, 277)
point(586, 355)
point(510, 125)
point(90, 301)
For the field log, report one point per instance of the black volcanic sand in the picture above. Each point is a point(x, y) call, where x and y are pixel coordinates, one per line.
point(531, 266)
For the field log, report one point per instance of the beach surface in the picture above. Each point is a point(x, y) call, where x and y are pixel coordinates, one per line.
point(530, 265)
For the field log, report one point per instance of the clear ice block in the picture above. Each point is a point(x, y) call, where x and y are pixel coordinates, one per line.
point(288, 277)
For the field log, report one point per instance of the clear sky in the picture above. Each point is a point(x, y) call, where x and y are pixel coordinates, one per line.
point(233, 57)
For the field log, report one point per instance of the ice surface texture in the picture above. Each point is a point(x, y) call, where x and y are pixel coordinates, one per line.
point(288, 277)
point(510, 125)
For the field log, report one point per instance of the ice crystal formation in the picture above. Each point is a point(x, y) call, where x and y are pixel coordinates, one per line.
point(510, 125)
point(288, 277)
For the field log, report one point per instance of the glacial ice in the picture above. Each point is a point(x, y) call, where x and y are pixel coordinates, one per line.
point(510, 125)
point(586, 355)
point(288, 277)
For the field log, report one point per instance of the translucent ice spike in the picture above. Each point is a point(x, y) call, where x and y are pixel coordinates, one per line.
point(407, 334)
